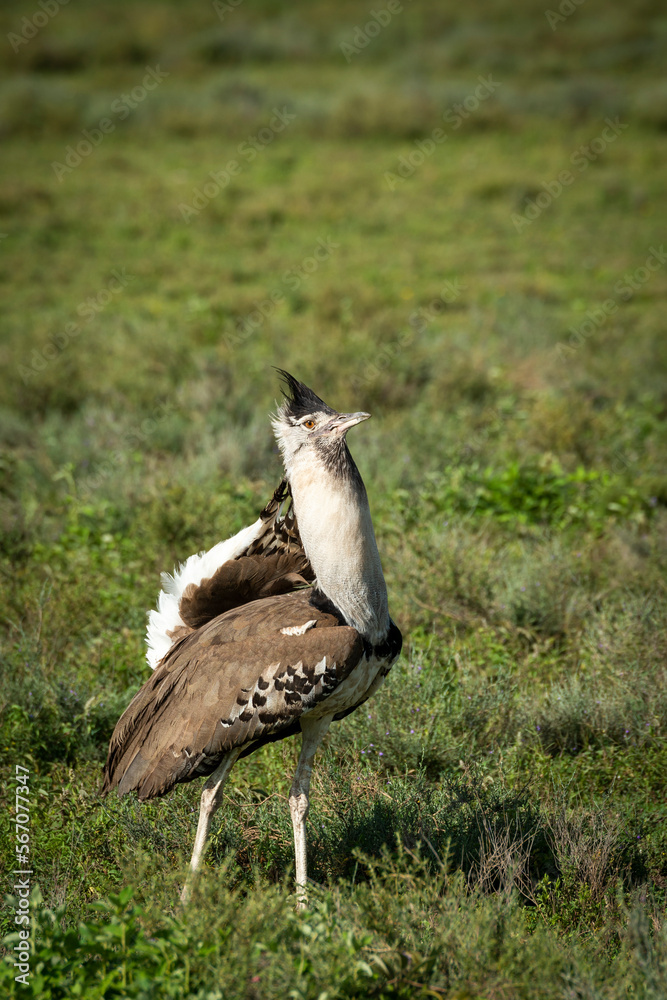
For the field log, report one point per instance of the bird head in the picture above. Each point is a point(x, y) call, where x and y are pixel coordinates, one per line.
point(306, 427)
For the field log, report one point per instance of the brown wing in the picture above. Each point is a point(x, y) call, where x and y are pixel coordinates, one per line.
point(235, 681)
point(275, 563)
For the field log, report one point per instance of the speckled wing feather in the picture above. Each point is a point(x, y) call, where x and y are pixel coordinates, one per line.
point(235, 681)
point(274, 563)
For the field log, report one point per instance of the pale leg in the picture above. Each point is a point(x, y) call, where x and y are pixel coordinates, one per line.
point(313, 732)
point(211, 800)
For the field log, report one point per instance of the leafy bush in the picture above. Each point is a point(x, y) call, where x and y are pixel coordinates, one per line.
point(535, 493)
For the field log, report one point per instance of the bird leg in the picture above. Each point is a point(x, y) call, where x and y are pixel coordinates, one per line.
point(211, 800)
point(313, 732)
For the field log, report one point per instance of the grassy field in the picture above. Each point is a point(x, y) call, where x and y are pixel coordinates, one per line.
point(452, 218)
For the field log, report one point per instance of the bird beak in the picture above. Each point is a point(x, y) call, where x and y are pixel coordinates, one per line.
point(342, 423)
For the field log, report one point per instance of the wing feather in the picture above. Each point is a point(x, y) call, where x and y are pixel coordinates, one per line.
point(236, 680)
point(263, 560)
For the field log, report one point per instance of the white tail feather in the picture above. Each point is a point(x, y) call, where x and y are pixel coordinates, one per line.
point(201, 566)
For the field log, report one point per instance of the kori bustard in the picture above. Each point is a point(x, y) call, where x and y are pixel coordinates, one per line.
point(281, 629)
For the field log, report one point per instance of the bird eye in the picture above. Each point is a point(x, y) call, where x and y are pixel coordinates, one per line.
point(309, 424)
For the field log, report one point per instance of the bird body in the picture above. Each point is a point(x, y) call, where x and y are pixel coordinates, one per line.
point(245, 652)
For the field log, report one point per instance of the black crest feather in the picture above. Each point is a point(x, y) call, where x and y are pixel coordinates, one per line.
point(300, 399)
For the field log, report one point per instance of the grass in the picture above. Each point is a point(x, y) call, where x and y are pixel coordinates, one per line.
point(492, 824)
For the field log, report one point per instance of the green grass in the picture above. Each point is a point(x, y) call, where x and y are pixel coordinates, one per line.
point(492, 824)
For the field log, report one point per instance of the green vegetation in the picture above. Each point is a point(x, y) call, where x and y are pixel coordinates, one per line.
point(493, 824)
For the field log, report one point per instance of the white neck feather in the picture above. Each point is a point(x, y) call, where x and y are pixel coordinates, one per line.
point(335, 525)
